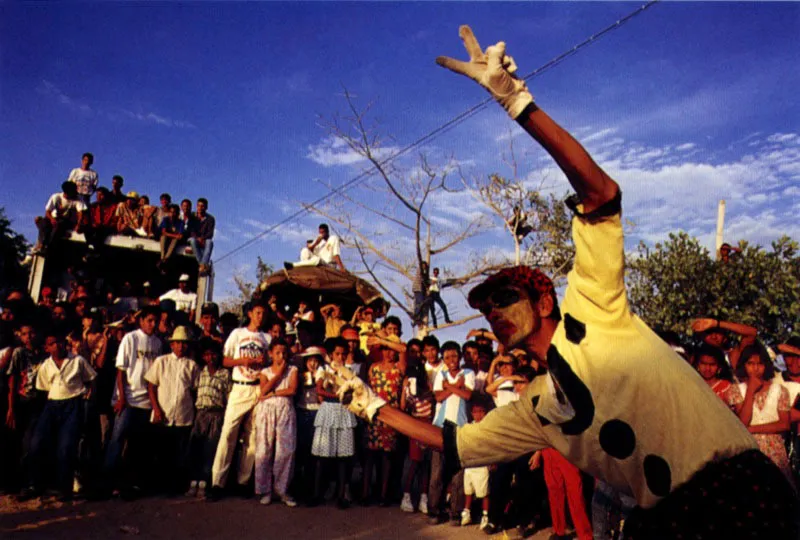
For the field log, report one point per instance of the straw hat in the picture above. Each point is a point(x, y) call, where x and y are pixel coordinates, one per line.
point(180, 333)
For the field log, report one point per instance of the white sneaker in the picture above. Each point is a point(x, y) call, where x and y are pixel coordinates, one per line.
point(266, 500)
point(466, 517)
point(484, 522)
point(192, 489)
point(406, 505)
point(423, 503)
point(201, 489)
point(288, 501)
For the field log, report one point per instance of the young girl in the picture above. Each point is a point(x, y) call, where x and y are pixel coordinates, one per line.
point(307, 411)
point(276, 426)
point(417, 399)
point(762, 404)
point(385, 379)
point(502, 379)
point(710, 363)
point(334, 441)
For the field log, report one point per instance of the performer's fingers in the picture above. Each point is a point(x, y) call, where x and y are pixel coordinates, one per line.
point(494, 56)
point(464, 68)
point(470, 42)
point(509, 64)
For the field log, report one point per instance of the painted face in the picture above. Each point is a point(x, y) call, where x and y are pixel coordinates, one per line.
point(511, 315)
point(707, 367)
point(754, 368)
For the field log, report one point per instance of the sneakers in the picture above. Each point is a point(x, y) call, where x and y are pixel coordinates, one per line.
point(192, 489)
point(484, 522)
point(266, 500)
point(423, 503)
point(288, 501)
point(405, 504)
point(201, 489)
point(466, 517)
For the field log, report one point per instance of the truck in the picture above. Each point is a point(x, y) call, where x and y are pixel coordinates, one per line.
point(120, 259)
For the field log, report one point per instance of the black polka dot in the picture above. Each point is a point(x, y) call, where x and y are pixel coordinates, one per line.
point(617, 439)
point(574, 329)
point(657, 475)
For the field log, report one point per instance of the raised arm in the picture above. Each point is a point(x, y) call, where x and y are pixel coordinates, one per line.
point(496, 72)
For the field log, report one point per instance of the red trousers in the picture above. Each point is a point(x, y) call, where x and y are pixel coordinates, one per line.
point(564, 481)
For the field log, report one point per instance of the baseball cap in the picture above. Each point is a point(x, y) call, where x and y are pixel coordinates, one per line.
point(532, 280)
point(184, 277)
point(349, 334)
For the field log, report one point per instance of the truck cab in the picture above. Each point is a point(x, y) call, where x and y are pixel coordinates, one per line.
point(121, 259)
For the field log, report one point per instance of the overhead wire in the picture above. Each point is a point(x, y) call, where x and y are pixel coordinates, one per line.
point(438, 130)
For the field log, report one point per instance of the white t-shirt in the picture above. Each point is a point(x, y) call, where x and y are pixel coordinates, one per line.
point(136, 353)
point(85, 180)
point(243, 343)
point(183, 301)
point(432, 371)
point(68, 382)
point(58, 206)
point(454, 408)
point(328, 249)
point(175, 378)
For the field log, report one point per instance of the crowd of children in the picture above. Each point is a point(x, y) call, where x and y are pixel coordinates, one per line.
point(154, 404)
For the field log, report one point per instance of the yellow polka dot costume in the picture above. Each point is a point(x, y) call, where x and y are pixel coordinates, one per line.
point(617, 401)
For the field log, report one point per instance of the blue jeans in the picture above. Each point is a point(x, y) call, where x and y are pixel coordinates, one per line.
point(132, 426)
point(202, 253)
point(63, 417)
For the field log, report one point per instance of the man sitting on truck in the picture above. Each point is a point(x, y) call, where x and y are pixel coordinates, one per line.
point(185, 300)
point(326, 251)
point(62, 213)
point(102, 220)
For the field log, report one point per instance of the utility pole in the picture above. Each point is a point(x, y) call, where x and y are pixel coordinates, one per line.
point(720, 225)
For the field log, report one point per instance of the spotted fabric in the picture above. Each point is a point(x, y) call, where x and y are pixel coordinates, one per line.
point(745, 496)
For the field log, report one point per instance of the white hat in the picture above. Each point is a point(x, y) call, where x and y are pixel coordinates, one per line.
point(184, 277)
point(313, 351)
point(146, 284)
point(180, 334)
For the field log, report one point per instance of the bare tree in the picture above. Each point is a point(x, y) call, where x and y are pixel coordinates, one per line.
point(401, 221)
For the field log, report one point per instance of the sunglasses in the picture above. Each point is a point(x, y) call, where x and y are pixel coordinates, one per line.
point(499, 299)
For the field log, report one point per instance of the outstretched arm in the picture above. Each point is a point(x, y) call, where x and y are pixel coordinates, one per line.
point(496, 72)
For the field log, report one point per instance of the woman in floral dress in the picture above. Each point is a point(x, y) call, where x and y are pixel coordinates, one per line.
point(762, 404)
point(386, 380)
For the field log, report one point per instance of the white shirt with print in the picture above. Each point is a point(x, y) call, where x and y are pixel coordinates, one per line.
point(186, 302)
point(244, 343)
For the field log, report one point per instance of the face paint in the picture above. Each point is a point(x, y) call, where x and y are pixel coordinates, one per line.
point(513, 323)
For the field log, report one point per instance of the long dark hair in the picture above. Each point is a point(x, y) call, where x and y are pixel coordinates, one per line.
point(756, 349)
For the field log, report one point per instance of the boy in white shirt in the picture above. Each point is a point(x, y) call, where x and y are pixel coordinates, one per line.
point(476, 479)
point(136, 353)
point(245, 352)
point(452, 388)
point(84, 178)
point(172, 380)
point(66, 378)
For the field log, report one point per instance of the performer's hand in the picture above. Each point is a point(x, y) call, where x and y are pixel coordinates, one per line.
point(493, 70)
point(360, 399)
point(536, 461)
point(702, 325)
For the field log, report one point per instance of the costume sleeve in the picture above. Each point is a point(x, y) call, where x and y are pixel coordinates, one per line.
point(503, 435)
point(595, 285)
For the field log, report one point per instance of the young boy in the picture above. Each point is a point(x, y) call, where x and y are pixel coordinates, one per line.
point(66, 378)
point(476, 479)
point(136, 353)
point(172, 379)
point(212, 397)
point(452, 389)
point(25, 404)
point(246, 353)
point(433, 364)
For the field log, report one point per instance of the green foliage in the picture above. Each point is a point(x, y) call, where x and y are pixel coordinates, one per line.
point(549, 246)
point(672, 283)
point(13, 247)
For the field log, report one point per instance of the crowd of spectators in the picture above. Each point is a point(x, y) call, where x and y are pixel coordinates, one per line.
point(147, 402)
point(130, 214)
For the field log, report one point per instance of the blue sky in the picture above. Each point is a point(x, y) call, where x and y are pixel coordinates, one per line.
point(686, 104)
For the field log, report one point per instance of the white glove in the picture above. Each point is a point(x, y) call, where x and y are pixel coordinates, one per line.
point(493, 70)
point(360, 399)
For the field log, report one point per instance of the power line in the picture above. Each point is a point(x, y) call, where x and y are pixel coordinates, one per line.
point(441, 129)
